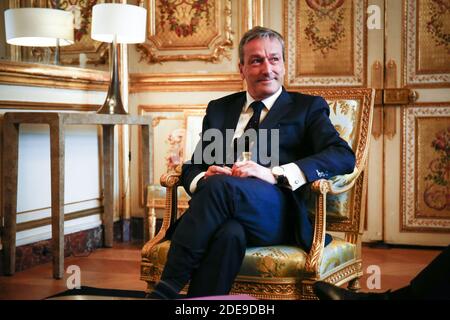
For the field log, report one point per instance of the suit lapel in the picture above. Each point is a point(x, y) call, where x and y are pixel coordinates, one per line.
point(233, 113)
point(281, 106)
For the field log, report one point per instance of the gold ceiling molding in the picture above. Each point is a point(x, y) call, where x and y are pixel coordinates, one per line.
point(200, 26)
point(30, 74)
point(185, 82)
point(31, 105)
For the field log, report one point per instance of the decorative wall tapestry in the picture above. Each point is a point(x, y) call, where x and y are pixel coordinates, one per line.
point(200, 29)
point(427, 43)
point(426, 169)
point(325, 42)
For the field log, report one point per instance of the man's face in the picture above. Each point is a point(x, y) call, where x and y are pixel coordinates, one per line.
point(263, 67)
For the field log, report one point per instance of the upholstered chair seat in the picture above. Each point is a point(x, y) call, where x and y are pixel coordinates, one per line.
point(273, 262)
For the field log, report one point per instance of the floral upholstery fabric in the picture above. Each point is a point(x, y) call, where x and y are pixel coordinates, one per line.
point(344, 115)
point(269, 262)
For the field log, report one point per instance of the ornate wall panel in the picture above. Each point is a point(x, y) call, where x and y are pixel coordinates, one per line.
point(427, 43)
point(425, 180)
point(318, 35)
point(186, 30)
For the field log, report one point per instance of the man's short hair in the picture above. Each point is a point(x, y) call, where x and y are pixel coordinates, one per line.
point(259, 33)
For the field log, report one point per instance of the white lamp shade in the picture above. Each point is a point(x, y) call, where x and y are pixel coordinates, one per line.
point(126, 22)
point(38, 27)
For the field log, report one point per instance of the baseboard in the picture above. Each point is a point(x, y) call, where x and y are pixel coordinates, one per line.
point(137, 228)
point(75, 244)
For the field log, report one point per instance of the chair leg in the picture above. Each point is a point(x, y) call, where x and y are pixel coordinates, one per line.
point(150, 286)
point(354, 285)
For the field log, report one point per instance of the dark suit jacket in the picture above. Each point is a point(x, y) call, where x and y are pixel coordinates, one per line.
point(306, 137)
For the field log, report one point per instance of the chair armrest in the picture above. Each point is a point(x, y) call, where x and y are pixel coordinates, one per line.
point(338, 184)
point(335, 185)
point(171, 181)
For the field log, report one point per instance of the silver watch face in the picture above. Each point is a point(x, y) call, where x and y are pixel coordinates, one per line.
point(277, 171)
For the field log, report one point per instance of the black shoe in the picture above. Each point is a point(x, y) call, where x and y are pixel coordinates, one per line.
point(327, 291)
point(163, 291)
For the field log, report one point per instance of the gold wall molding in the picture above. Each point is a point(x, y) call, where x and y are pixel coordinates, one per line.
point(185, 82)
point(30, 74)
point(253, 14)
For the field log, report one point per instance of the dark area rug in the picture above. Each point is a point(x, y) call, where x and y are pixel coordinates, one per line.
point(99, 292)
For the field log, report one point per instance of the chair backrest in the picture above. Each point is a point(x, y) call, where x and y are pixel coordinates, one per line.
point(351, 112)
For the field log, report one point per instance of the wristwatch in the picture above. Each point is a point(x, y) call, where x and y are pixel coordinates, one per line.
point(279, 174)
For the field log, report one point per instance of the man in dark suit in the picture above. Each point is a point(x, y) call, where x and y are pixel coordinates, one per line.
point(250, 203)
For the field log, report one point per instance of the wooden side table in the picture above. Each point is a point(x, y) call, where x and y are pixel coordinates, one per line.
point(57, 122)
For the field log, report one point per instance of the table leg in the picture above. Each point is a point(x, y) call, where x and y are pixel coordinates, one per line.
point(57, 185)
point(108, 183)
point(149, 221)
point(10, 170)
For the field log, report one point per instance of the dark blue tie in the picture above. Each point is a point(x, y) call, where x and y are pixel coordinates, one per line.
point(253, 123)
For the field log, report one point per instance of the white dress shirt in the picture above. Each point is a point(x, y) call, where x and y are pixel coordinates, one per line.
point(294, 175)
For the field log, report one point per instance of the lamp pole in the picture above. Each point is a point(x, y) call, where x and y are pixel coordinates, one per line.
point(113, 103)
point(57, 40)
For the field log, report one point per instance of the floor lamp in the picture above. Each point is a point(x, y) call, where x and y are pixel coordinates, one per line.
point(39, 27)
point(117, 23)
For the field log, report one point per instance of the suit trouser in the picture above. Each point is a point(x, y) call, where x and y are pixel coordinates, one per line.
point(433, 282)
point(225, 215)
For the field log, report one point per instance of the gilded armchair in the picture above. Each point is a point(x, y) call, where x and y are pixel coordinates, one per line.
point(337, 205)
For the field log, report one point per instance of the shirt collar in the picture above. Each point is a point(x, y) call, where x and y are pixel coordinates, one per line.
point(268, 102)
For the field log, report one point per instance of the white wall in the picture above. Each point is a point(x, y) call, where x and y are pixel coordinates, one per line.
point(82, 163)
